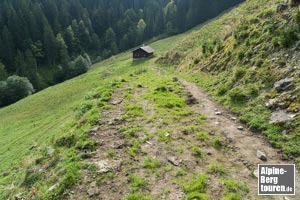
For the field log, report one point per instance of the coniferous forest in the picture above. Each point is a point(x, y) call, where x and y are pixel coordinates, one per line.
point(44, 42)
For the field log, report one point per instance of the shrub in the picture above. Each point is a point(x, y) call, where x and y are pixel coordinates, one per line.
point(217, 144)
point(78, 66)
point(239, 73)
point(150, 163)
point(216, 169)
point(136, 196)
point(232, 196)
point(235, 186)
point(136, 182)
point(197, 184)
point(197, 196)
point(15, 89)
point(237, 95)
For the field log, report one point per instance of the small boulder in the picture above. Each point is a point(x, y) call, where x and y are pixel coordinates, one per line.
point(92, 131)
point(104, 166)
point(241, 128)
point(53, 187)
point(92, 191)
point(284, 84)
point(175, 79)
point(271, 104)
point(255, 173)
point(139, 85)
point(191, 99)
point(281, 117)
point(117, 102)
point(18, 197)
point(233, 118)
point(218, 113)
point(282, 6)
point(174, 161)
point(261, 155)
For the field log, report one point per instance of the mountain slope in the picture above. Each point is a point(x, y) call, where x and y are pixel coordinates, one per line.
point(136, 132)
point(253, 68)
point(32, 125)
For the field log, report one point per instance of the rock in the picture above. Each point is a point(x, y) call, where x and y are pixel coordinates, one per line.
point(284, 132)
point(106, 166)
point(139, 85)
point(233, 118)
point(218, 113)
point(271, 104)
point(261, 155)
point(117, 102)
point(281, 117)
point(255, 173)
point(246, 172)
point(211, 133)
point(285, 198)
point(92, 191)
point(191, 99)
point(18, 197)
point(175, 79)
point(174, 161)
point(93, 184)
point(53, 187)
point(115, 121)
point(240, 128)
point(5, 174)
point(167, 134)
point(92, 131)
point(282, 6)
point(284, 84)
point(118, 145)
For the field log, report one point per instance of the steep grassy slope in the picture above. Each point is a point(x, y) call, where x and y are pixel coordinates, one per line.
point(29, 128)
point(240, 58)
point(44, 137)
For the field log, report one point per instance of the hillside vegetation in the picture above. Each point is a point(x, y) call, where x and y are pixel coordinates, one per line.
point(48, 42)
point(139, 131)
point(251, 65)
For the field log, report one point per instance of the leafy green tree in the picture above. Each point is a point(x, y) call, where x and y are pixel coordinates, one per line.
point(79, 66)
point(17, 88)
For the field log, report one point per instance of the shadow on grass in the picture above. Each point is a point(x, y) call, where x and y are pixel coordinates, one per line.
point(139, 62)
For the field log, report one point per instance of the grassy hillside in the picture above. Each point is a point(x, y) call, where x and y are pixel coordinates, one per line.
point(230, 57)
point(242, 60)
point(30, 126)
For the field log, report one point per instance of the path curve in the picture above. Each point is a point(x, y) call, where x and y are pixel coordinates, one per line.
point(245, 140)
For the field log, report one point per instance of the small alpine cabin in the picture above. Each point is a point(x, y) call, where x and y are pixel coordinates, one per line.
point(143, 52)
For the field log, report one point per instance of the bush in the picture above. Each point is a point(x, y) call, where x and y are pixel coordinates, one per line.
point(79, 66)
point(197, 184)
point(14, 89)
point(237, 95)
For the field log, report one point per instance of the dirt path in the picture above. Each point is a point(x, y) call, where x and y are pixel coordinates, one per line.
point(247, 142)
point(150, 145)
